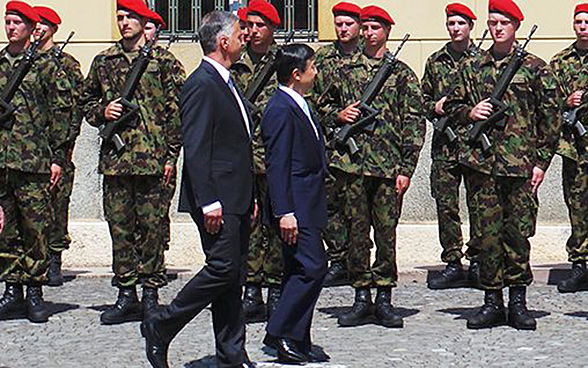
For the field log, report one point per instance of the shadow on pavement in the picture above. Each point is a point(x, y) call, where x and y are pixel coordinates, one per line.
point(56, 308)
point(335, 312)
point(579, 314)
point(208, 361)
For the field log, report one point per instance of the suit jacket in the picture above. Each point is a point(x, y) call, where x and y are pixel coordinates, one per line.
point(295, 161)
point(217, 148)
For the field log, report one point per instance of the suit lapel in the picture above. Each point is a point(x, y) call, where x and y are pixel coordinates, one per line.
point(224, 87)
point(305, 122)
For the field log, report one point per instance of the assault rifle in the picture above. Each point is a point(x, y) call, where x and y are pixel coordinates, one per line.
point(442, 124)
point(108, 131)
point(478, 130)
point(263, 78)
point(58, 53)
point(7, 94)
point(343, 136)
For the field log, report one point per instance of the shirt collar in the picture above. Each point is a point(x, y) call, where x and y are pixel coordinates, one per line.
point(295, 96)
point(224, 72)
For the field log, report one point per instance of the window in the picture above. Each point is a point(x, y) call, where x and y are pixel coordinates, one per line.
point(183, 16)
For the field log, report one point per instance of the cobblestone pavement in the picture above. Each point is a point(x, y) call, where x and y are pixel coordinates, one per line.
point(434, 334)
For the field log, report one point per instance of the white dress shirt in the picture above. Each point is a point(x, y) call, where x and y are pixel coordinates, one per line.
point(301, 102)
point(226, 76)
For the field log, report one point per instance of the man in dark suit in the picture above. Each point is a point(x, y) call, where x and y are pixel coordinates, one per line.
point(217, 190)
point(295, 160)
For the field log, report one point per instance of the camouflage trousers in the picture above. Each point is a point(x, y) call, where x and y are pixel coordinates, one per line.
point(135, 209)
point(265, 262)
point(336, 234)
point(60, 197)
point(446, 177)
point(372, 202)
point(575, 188)
point(24, 242)
point(506, 212)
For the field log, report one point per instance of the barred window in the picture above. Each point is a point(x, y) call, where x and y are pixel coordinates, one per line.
point(183, 16)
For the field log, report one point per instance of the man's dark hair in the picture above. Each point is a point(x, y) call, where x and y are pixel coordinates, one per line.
point(290, 57)
point(215, 25)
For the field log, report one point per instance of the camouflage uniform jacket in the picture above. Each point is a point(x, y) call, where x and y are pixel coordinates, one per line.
point(571, 73)
point(326, 103)
point(69, 75)
point(394, 146)
point(441, 70)
point(244, 72)
point(532, 121)
point(41, 120)
point(156, 140)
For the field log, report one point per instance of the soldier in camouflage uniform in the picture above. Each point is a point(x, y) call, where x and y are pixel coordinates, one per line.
point(265, 264)
point(70, 80)
point(446, 171)
point(135, 179)
point(329, 59)
point(570, 68)
point(32, 154)
point(379, 174)
point(504, 180)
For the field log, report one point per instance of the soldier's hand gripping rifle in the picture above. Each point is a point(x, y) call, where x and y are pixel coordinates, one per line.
point(263, 78)
point(343, 136)
point(108, 130)
point(478, 131)
point(442, 124)
point(573, 123)
point(9, 90)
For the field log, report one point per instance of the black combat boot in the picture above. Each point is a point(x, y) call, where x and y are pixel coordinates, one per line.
point(55, 278)
point(491, 314)
point(37, 312)
point(362, 311)
point(12, 304)
point(273, 297)
point(385, 315)
point(253, 306)
point(518, 314)
point(126, 309)
point(451, 277)
point(578, 280)
point(337, 275)
point(149, 301)
point(474, 274)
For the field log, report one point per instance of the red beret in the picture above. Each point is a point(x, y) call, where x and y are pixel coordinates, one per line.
point(23, 9)
point(345, 8)
point(266, 9)
point(376, 13)
point(581, 8)
point(506, 7)
point(157, 19)
point(48, 14)
point(242, 14)
point(459, 9)
point(136, 6)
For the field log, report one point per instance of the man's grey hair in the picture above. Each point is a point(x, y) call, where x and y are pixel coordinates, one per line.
point(215, 25)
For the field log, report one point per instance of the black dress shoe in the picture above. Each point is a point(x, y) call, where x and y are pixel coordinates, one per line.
point(289, 353)
point(155, 347)
point(318, 356)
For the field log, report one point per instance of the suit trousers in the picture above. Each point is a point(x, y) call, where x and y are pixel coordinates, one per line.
point(305, 267)
point(218, 283)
